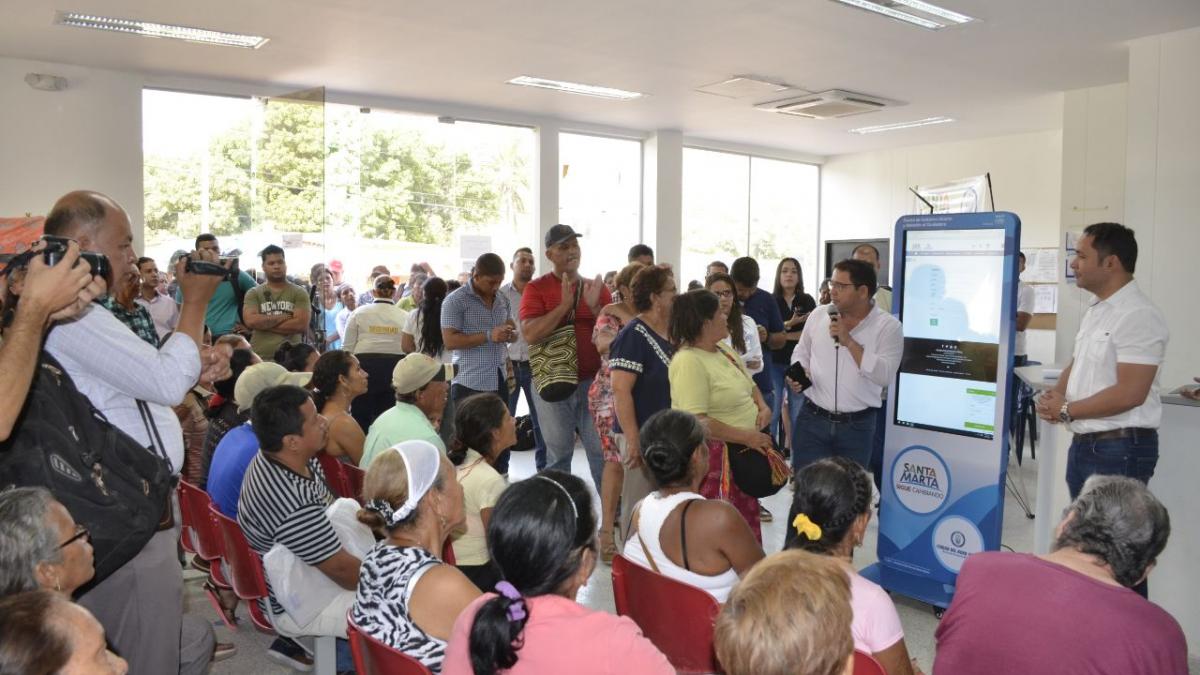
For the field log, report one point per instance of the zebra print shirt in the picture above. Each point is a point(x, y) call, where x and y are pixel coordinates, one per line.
point(278, 505)
point(386, 582)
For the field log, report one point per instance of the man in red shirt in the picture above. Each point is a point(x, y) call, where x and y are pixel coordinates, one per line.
point(545, 306)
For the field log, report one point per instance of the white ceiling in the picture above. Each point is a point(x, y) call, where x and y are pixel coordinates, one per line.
point(996, 77)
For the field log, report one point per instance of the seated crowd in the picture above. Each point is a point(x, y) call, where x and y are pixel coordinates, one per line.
point(270, 397)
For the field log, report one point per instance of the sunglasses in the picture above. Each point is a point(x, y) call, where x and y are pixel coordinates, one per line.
point(81, 532)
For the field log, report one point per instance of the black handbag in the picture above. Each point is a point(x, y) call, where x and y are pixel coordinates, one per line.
point(111, 484)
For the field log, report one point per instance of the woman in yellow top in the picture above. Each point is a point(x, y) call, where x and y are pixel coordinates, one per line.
point(710, 381)
point(483, 429)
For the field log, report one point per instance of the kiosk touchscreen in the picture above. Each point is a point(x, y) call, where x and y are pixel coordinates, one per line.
point(945, 446)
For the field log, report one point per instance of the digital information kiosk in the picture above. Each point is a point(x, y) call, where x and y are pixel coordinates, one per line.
point(946, 443)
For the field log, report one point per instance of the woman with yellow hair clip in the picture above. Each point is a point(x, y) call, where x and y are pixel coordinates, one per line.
point(829, 516)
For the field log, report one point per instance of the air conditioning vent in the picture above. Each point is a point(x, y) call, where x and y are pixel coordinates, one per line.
point(830, 104)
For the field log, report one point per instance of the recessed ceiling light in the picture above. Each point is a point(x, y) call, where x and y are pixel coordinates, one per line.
point(159, 30)
point(576, 88)
point(888, 9)
point(901, 125)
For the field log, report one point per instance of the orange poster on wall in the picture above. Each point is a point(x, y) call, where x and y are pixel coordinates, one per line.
point(17, 234)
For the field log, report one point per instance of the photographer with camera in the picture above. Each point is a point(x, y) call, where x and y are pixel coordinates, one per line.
point(48, 294)
point(134, 385)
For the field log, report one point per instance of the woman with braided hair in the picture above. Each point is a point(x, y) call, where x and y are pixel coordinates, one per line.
point(542, 537)
point(829, 515)
point(407, 597)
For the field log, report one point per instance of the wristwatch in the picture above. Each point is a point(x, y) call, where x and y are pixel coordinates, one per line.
point(1064, 414)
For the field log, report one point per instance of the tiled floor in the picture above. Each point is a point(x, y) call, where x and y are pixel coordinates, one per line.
point(918, 618)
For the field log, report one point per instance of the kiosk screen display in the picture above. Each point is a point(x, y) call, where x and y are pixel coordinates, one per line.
point(951, 311)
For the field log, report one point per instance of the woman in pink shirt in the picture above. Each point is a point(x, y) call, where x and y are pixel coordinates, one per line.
point(542, 537)
point(829, 515)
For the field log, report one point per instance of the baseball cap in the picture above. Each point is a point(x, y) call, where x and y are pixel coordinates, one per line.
point(560, 233)
point(261, 376)
point(417, 370)
point(335, 265)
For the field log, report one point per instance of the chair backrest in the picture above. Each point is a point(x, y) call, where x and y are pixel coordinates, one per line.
point(244, 567)
point(676, 617)
point(372, 657)
point(198, 520)
point(865, 664)
point(354, 481)
point(334, 474)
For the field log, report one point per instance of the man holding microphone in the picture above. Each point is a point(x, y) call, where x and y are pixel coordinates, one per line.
point(850, 350)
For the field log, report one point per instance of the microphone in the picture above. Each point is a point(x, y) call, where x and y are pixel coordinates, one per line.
point(833, 317)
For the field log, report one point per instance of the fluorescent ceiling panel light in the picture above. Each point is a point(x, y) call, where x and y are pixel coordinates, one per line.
point(901, 125)
point(576, 88)
point(894, 13)
point(160, 30)
point(934, 10)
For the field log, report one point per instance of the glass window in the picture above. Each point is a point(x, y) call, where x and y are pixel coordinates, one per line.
point(600, 195)
point(329, 181)
point(736, 205)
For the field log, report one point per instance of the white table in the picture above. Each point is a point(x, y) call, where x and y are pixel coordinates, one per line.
point(1052, 493)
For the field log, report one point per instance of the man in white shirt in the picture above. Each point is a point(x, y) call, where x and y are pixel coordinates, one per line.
point(141, 604)
point(1025, 300)
point(518, 351)
point(375, 328)
point(1109, 395)
point(850, 356)
point(162, 307)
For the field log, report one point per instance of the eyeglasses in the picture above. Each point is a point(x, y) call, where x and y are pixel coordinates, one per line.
point(81, 532)
point(723, 294)
point(841, 287)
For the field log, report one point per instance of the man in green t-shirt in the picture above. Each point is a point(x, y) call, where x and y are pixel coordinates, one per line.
point(277, 311)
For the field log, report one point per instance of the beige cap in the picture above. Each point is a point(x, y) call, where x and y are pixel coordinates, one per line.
point(261, 376)
point(417, 370)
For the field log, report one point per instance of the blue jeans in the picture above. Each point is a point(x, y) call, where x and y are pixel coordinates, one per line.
point(524, 377)
point(876, 466)
point(561, 421)
point(1134, 456)
point(779, 388)
point(814, 438)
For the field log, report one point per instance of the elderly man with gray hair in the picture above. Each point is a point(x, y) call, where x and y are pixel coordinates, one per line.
point(1073, 610)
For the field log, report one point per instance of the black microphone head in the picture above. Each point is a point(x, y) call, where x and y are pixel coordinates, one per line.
point(833, 310)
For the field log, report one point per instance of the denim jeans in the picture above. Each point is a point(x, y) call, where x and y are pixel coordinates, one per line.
point(779, 389)
point(458, 392)
point(876, 464)
point(814, 438)
point(524, 377)
point(560, 421)
point(1134, 456)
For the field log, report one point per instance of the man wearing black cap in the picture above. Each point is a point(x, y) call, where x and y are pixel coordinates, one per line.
point(546, 304)
point(375, 328)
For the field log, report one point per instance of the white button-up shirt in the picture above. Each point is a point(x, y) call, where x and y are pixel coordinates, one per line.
point(1025, 303)
point(375, 329)
point(518, 350)
point(163, 311)
point(840, 384)
point(1125, 328)
point(115, 369)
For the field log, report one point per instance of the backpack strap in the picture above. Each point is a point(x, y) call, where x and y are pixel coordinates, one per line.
point(156, 442)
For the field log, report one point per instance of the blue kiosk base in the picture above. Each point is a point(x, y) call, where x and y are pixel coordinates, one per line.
point(924, 590)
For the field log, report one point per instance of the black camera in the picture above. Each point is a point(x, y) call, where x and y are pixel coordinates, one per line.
point(217, 269)
point(56, 248)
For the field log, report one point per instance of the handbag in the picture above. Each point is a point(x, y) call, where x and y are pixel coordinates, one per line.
point(758, 473)
point(554, 362)
point(110, 483)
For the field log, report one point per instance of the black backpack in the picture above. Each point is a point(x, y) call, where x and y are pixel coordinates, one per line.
point(110, 483)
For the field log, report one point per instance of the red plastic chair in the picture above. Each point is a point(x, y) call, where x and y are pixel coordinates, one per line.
point(676, 617)
point(865, 664)
point(354, 481)
point(334, 474)
point(245, 568)
point(200, 531)
point(372, 657)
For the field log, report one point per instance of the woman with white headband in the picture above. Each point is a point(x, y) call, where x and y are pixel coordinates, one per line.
point(407, 597)
point(542, 537)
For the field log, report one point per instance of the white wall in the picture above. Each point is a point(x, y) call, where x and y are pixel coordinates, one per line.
point(862, 195)
point(1161, 179)
point(86, 137)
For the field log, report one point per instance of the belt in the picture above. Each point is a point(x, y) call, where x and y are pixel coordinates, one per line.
point(838, 417)
point(1125, 432)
